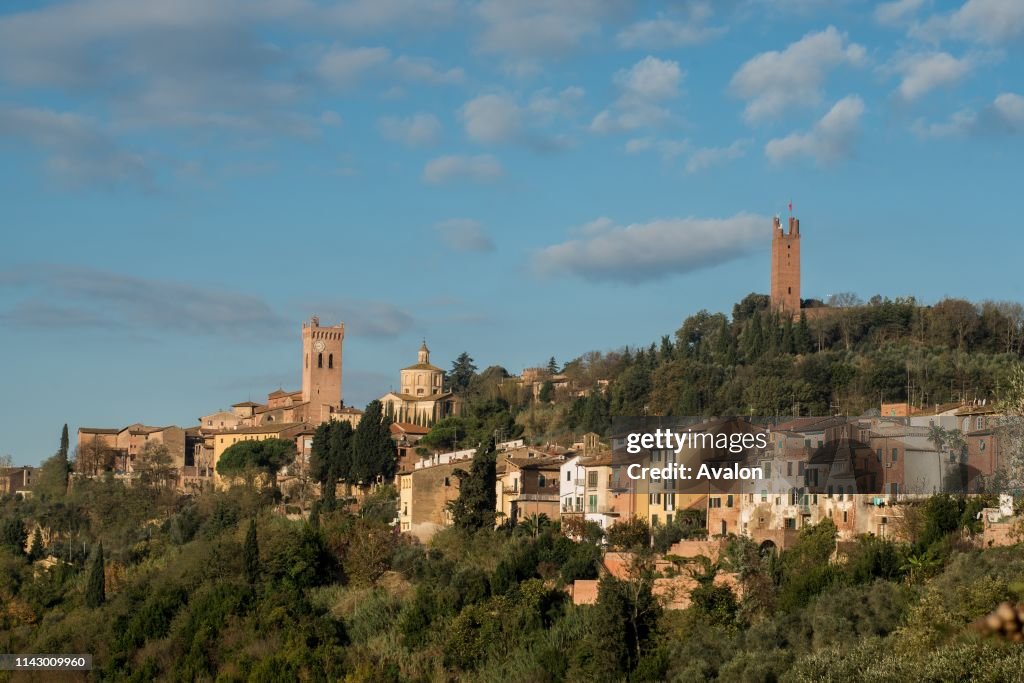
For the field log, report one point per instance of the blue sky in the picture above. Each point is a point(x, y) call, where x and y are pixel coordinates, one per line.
point(184, 182)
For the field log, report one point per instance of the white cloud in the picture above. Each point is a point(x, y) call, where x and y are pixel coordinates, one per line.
point(924, 72)
point(897, 12)
point(773, 81)
point(492, 119)
point(418, 130)
point(643, 252)
point(498, 118)
point(78, 151)
point(426, 71)
point(532, 28)
point(483, 167)
point(549, 104)
point(650, 79)
point(464, 234)
point(668, 149)
point(330, 118)
point(666, 31)
point(829, 141)
point(987, 21)
point(376, 15)
point(1004, 115)
point(643, 89)
point(707, 157)
point(342, 66)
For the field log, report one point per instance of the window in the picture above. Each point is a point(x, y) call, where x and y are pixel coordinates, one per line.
point(767, 465)
point(655, 498)
point(981, 445)
point(307, 361)
point(979, 423)
point(568, 475)
point(844, 516)
point(764, 495)
point(789, 469)
point(542, 481)
point(591, 480)
point(878, 454)
point(828, 493)
point(728, 501)
point(800, 469)
point(515, 484)
point(725, 530)
point(790, 522)
point(447, 482)
point(654, 520)
point(841, 493)
point(714, 502)
point(894, 488)
point(895, 454)
point(670, 502)
point(592, 503)
point(330, 361)
point(319, 360)
point(807, 443)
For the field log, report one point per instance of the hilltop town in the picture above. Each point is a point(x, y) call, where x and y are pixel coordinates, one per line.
point(920, 449)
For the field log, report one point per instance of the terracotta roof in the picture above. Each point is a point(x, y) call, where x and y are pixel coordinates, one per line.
point(97, 430)
point(535, 463)
point(409, 428)
point(423, 366)
point(246, 404)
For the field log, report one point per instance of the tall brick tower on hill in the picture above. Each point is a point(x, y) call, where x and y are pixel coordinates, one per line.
point(786, 267)
point(321, 368)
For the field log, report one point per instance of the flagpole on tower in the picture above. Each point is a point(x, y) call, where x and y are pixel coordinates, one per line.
point(790, 208)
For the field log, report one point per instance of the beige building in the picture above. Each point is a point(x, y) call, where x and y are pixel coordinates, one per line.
point(421, 398)
point(527, 484)
point(424, 493)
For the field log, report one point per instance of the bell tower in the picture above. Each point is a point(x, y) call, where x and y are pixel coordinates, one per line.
point(321, 368)
point(785, 292)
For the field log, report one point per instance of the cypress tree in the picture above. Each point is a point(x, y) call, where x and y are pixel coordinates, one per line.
point(251, 554)
point(474, 508)
point(787, 336)
point(64, 443)
point(95, 581)
point(374, 453)
point(802, 335)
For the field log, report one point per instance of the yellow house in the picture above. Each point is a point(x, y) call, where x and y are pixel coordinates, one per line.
point(225, 440)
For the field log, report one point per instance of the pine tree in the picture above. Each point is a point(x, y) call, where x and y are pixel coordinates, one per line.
point(36, 551)
point(552, 366)
point(95, 581)
point(251, 554)
point(462, 374)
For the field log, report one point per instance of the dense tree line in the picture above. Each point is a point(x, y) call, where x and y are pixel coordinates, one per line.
point(219, 587)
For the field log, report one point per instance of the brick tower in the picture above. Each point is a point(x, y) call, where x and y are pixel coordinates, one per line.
point(786, 266)
point(321, 368)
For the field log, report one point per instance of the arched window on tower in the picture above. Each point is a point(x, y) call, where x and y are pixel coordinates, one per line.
point(307, 361)
point(319, 360)
point(330, 361)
